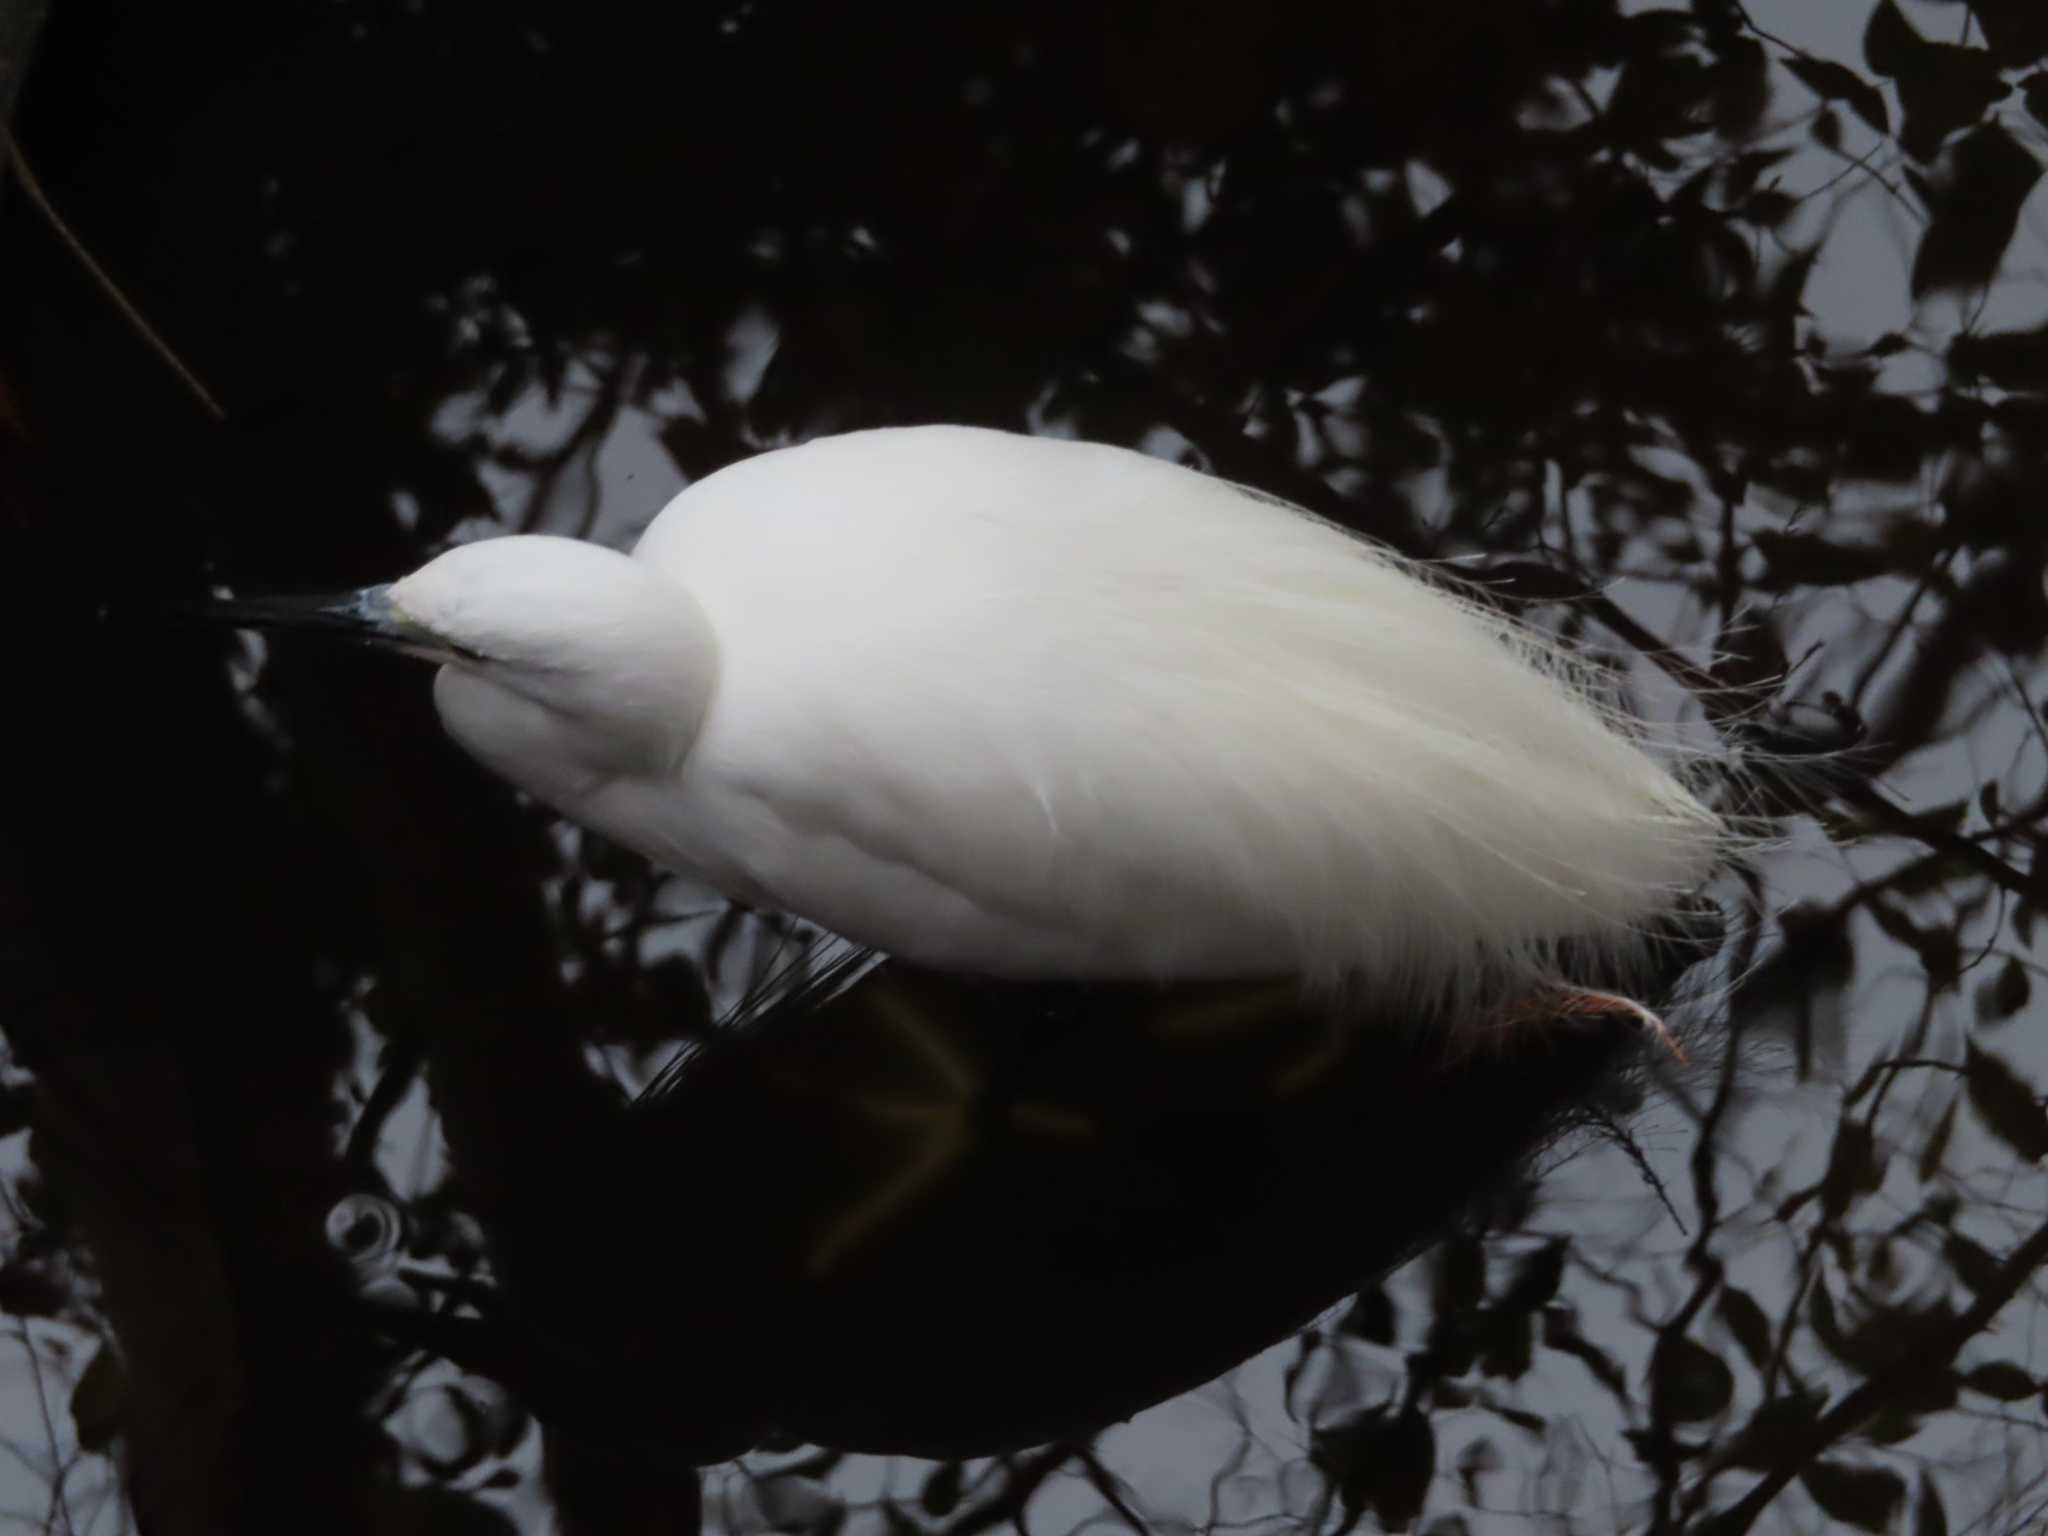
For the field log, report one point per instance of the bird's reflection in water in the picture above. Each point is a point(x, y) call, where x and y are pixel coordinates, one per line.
point(902, 1211)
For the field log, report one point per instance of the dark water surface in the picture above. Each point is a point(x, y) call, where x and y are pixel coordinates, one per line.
point(334, 1200)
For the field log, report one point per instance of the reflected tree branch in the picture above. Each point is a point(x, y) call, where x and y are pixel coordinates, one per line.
point(1802, 1446)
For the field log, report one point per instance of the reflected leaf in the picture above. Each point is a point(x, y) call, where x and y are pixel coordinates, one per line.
point(2016, 30)
point(1976, 1266)
point(1894, 1423)
point(1854, 1168)
point(1866, 1497)
point(1820, 1312)
point(1381, 1461)
point(1837, 82)
point(1371, 1316)
point(1561, 1333)
point(2006, 1104)
point(2015, 359)
point(1973, 219)
point(1460, 1275)
point(2002, 1380)
point(2004, 994)
point(1536, 1279)
point(29, 1291)
point(96, 1400)
point(1768, 208)
point(1878, 1338)
point(1746, 1321)
point(941, 1492)
point(1761, 1442)
point(1936, 1145)
point(1808, 560)
point(1506, 1342)
point(1942, 86)
point(1738, 177)
point(1798, 988)
point(1741, 87)
point(17, 1103)
point(1929, 1518)
point(1688, 1381)
point(1937, 945)
point(1889, 41)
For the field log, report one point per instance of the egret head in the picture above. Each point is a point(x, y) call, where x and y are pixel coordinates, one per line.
point(563, 664)
point(531, 605)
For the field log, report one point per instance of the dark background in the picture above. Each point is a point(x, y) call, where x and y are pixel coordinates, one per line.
point(1736, 319)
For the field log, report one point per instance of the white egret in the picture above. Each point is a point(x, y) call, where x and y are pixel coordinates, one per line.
point(1033, 707)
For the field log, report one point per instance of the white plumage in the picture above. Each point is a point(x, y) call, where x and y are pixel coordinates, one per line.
point(1032, 707)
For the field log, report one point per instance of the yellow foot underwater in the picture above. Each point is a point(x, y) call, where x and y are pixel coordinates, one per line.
point(943, 1128)
point(1302, 1044)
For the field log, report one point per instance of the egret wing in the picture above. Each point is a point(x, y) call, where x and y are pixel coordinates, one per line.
point(1026, 706)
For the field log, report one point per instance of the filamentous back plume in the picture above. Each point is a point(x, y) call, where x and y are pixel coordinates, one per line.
point(1030, 707)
